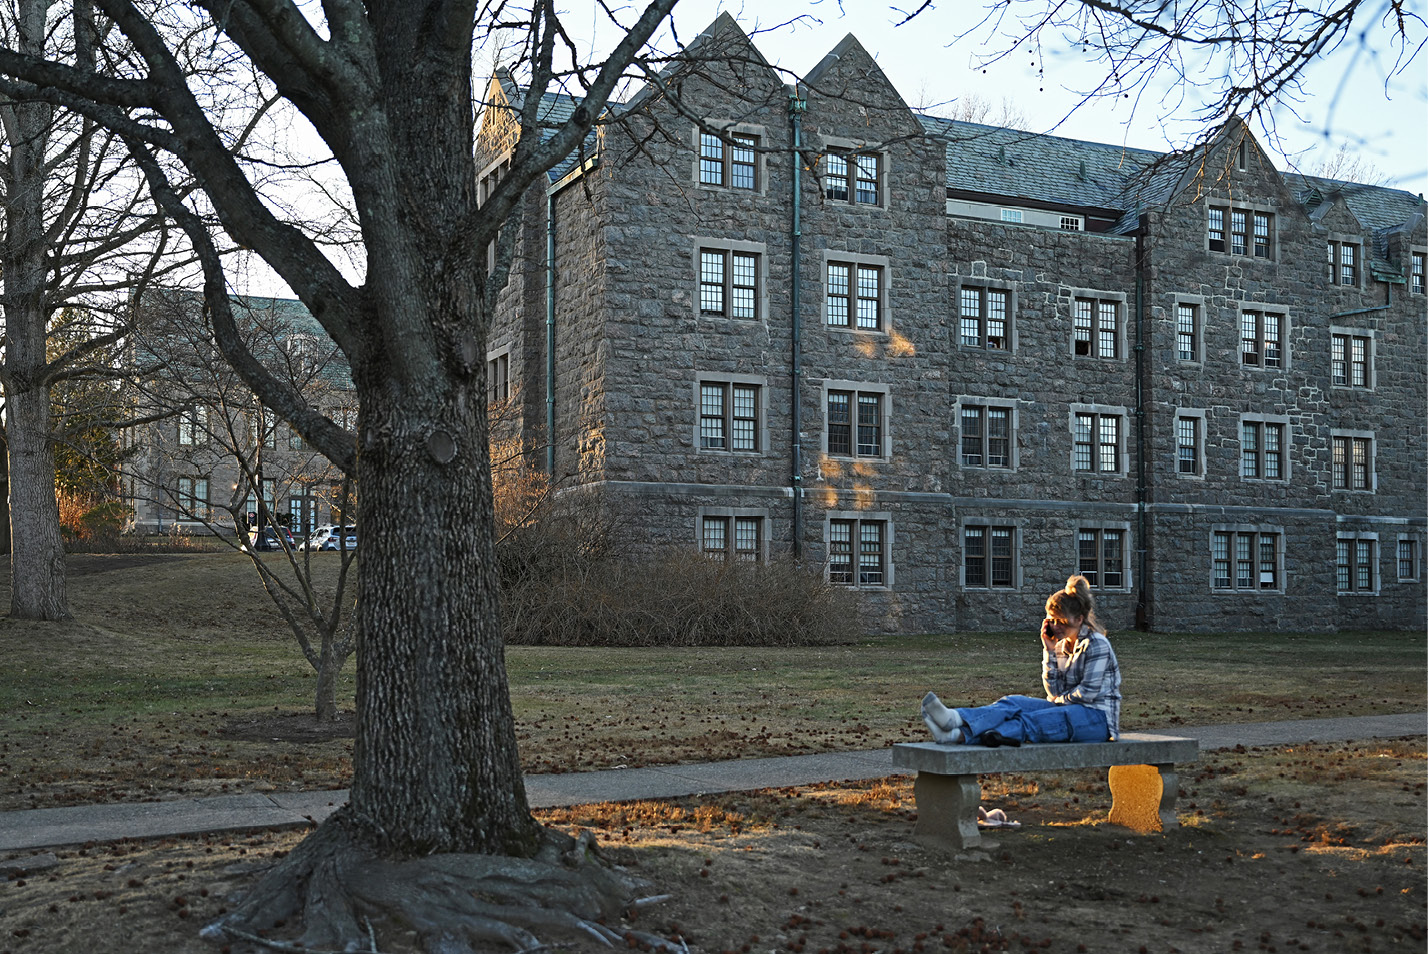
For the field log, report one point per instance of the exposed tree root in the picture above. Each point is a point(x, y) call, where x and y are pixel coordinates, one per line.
point(343, 894)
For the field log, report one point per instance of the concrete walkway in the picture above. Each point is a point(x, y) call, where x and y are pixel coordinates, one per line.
point(53, 827)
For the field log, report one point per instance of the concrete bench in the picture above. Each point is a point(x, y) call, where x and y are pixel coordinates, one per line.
point(1142, 778)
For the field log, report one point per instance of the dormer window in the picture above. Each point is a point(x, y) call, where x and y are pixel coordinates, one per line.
point(1240, 231)
point(1343, 263)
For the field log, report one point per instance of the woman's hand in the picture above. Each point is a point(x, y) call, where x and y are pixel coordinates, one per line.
point(1049, 635)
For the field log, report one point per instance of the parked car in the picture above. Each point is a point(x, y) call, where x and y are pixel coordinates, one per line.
point(332, 537)
point(269, 538)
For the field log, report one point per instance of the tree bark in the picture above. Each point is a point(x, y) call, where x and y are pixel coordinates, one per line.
point(38, 583)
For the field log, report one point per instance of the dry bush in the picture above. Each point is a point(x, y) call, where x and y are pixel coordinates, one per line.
point(566, 581)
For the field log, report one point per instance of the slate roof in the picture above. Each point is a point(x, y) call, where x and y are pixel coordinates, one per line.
point(555, 109)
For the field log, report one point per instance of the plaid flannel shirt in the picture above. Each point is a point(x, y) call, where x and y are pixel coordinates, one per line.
point(1088, 675)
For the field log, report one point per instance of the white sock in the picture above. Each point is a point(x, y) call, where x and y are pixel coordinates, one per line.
point(934, 711)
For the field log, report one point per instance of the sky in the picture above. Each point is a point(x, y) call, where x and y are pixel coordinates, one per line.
point(1350, 101)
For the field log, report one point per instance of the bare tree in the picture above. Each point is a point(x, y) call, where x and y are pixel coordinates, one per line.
point(219, 462)
point(77, 229)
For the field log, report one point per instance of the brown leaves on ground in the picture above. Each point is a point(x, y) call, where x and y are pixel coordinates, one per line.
point(1314, 848)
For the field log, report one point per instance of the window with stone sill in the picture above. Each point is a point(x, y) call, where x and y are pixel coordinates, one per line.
point(728, 417)
point(1187, 446)
point(857, 553)
point(984, 318)
point(1417, 272)
point(1245, 560)
point(1352, 463)
point(989, 557)
point(1343, 263)
point(1262, 450)
point(854, 296)
point(1240, 231)
point(732, 162)
point(732, 538)
point(854, 177)
point(1187, 332)
point(1408, 561)
point(1096, 443)
point(855, 426)
point(1096, 328)
point(729, 284)
point(1101, 557)
point(1356, 564)
point(1350, 360)
point(986, 436)
point(1261, 339)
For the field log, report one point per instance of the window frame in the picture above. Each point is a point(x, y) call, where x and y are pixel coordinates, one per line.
point(1348, 337)
point(1096, 575)
point(1097, 445)
point(1354, 545)
point(855, 521)
point(1231, 222)
point(1196, 310)
point(189, 506)
point(498, 377)
point(1414, 543)
point(728, 250)
point(1262, 340)
point(984, 294)
point(731, 518)
point(1197, 417)
point(852, 297)
point(1262, 424)
point(856, 391)
point(1417, 269)
point(728, 383)
point(193, 423)
point(986, 529)
point(1256, 536)
point(1096, 302)
point(847, 154)
point(986, 406)
point(749, 137)
point(1340, 269)
point(1351, 441)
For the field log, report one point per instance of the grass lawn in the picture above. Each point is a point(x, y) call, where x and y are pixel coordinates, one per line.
point(177, 677)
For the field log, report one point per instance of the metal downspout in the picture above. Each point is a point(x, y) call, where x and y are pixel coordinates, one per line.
point(796, 108)
point(1142, 602)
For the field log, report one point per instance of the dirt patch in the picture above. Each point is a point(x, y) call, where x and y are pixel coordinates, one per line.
point(291, 727)
point(1308, 848)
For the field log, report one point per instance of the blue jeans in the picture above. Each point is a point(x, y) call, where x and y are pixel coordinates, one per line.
point(1027, 719)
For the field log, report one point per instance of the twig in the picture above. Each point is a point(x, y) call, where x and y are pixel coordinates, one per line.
point(283, 945)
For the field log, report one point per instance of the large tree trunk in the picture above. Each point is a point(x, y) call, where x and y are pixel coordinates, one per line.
point(37, 552)
point(37, 585)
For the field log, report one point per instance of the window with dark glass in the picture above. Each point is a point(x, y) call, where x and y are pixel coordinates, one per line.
point(855, 436)
point(857, 552)
point(1240, 231)
point(733, 538)
point(1187, 445)
point(988, 557)
point(986, 436)
point(1245, 560)
point(1261, 339)
point(1353, 463)
point(1096, 328)
point(852, 177)
point(1343, 263)
point(728, 283)
point(1262, 450)
point(1101, 557)
point(854, 296)
point(732, 163)
point(728, 417)
point(1187, 332)
point(1096, 440)
point(1356, 563)
point(1349, 360)
point(983, 315)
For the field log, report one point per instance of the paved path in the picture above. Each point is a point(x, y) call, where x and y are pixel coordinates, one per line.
point(51, 827)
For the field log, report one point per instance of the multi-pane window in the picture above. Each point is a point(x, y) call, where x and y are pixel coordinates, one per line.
point(1187, 332)
point(1101, 557)
point(263, 428)
point(1245, 560)
point(733, 163)
point(1262, 450)
point(986, 436)
point(854, 296)
point(728, 416)
point(498, 378)
point(855, 424)
point(193, 497)
point(1096, 442)
point(1356, 561)
point(1096, 328)
point(1407, 558)
point(1417, 272)
point(1353, 463)
point(852, 177)
point(1349, 360)
point(728, 283)
point(193, 426)
point(1261, 339)
point(988, 557)
point(983, 318)
point(857, 552)
point(1240, 231)
point(1187, 445)
point(733, 538)
point(1343, 263)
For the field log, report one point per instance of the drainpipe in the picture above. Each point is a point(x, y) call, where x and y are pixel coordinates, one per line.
point(1142, 601)
point(796, 109)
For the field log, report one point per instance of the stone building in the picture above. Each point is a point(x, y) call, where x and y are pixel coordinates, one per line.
point(210, 457)
point(952, 364)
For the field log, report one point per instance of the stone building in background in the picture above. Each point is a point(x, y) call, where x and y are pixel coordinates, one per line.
point(209, 456)
point(952, 364)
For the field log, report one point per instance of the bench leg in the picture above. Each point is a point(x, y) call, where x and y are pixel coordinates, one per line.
point(947, 808)
point(1143, 797)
